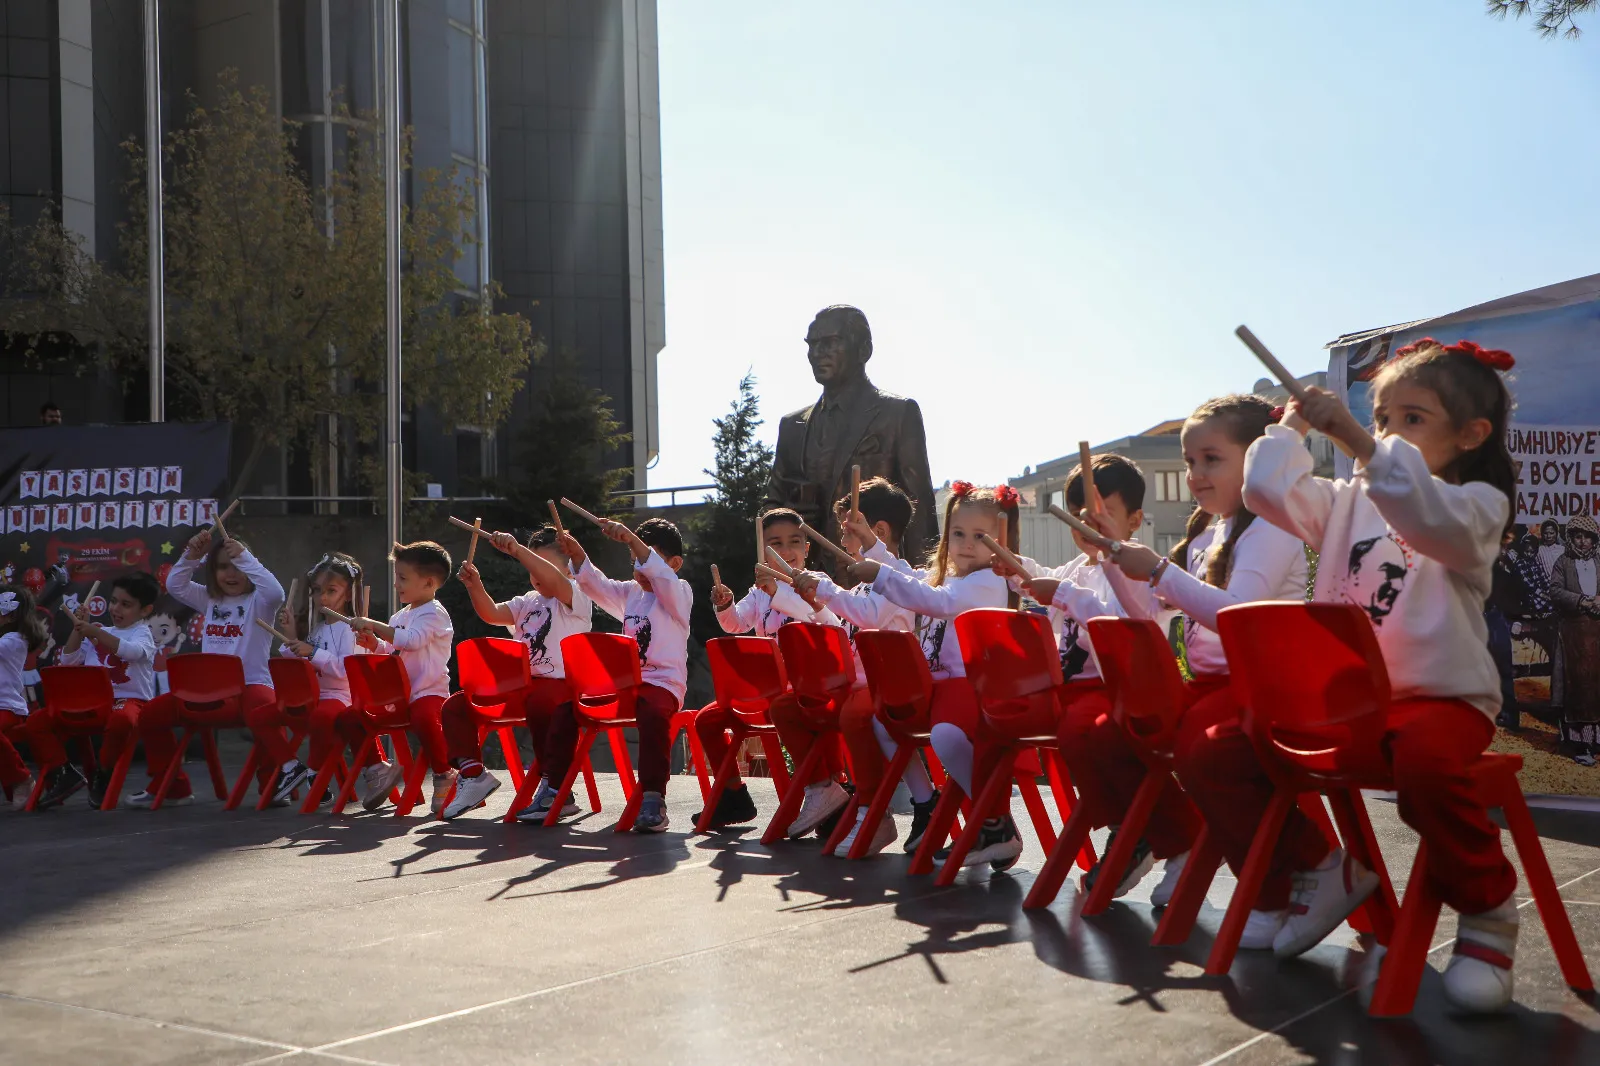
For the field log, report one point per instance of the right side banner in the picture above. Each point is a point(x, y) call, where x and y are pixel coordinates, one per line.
point(1544, 615)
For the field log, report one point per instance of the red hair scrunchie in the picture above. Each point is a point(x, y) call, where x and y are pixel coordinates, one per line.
point(1006, 496)
point(961, 489)
point(1493, 358)
point(1277, 413)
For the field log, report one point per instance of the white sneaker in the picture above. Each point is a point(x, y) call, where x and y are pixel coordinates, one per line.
point(377, 781)
point(443, 784)
point(1261, 929)
point(20, 794)
point(470, 793)
point(1479, 978)
point(1170, 872)
point(886, 833)
point(1321, 899)
point(821, 800)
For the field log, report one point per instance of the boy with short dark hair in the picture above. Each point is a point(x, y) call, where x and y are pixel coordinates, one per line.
point(654, 610)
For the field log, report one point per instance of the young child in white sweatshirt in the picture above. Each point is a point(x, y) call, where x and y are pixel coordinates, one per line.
point(1412, 539)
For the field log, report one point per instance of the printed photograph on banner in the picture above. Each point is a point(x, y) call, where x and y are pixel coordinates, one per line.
point(133, 514)
point(29, 484)
point(54, 482)
point(84, 515)
point(110, 515)
point(149, 480)
point(77, 482)
point(100, 482)
point(61, 516)
point(160, 511)
point(124, 481)
point(172, 479)
point(183, 512)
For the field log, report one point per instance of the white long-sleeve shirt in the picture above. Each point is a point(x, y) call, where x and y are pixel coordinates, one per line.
point(230, 621)
point(331, 642)
point(1085, 592)
point(938, 605)
point(658, 619)
point(13, 656)
point(132, 666)
point(543, 622)
point(1414, 552)
point(422, 638)
point(765, 615)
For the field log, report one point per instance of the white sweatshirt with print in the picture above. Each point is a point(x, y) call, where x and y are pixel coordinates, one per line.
point(132, 666)
point(330, 642)
point(230, 621)
point(764, 615)
point(938, 605)
point(1085, 592)
point(658, 620)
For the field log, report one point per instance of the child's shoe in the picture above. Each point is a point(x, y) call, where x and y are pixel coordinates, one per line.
point(470, 794)
point(1479, 977)
point(377, 781)
point(1141, 863)
point(735, 805)
point(1320, 900)
point(99, 784)
point(1171, 871)
point(147, 799)
point(60, 783)
point(999, 845)
point(882, 837)
point(1261, 929)
point(442, 786)
point(921, 815)
point(288, 781)
point(20, 793)
point(652, 814)
point(543, 797)
point(821, 799)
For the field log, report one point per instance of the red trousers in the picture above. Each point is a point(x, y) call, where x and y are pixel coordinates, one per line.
point(462, 737)
point(13, 771)
point(654, 709)
point(120, 728)
point(335, 725)
point(1430, 743)
point(162, 716)
point(800, 730)
point(1107, 772)
point(48, 736)
point(955, 702)
point(867, 764)
point(711, 725)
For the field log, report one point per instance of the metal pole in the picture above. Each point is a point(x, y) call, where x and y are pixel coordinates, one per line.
point(154, 235)
point(391, 189)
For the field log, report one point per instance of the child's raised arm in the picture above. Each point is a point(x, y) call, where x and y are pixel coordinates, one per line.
point(181, 584)
point(676, 596)
point(495, 614)
point(1459, 526)
point(541, 568)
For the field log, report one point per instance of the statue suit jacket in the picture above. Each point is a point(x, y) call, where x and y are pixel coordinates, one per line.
point(889, 442)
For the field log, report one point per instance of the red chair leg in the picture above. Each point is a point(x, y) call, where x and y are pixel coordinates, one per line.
point(878, 809)
point(1557, 924)
point(773, 747)
point(35, 792)
point(1205, 858)
point(580, 758)
point(719, 785)
point(412, 796)
point(119, 775)
point(589, 783)
point(789, 806)
point(1042, 826)
point(633, 791)
point(525, 791)
point(1407, 957)
point(1054, 873)
point(939, 825)
point(1249, 887)
point(173, 766)
point(513, 754)
point(1115, 864)
point(1376, 916)
point(251, 761)
point(992, 800)
point(208, 742)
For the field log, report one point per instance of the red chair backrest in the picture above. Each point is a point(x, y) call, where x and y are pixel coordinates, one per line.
point(746, 673)
point(377, 681)
point(294, 681)
point(602, 672)
point(1313, 683)
point(818, 660)
point(205, 678)
point(1140, 671)
point(77, 691)
point(1009, 655)
point(897, 673)
point(492, 668)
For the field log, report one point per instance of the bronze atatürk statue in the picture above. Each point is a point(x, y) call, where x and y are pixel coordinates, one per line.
point(854, 423)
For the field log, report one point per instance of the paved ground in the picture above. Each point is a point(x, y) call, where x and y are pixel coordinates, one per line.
point(197, 936)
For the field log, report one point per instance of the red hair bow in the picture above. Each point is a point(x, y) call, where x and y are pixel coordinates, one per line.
point(1277, 414)
point(1006, 496)
point(961, 489)
point(1493, 358)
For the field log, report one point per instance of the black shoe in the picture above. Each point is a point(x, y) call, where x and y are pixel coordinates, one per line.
point(999, 845)
point(826, 827)
point(1509, 718)
point(289, 780)
point(733, 806)
point(97, 788)
point(921, 815)
point(60, 783)
point(1140, 863)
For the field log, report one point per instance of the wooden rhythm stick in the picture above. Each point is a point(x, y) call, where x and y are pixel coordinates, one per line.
point(1270, 361)
point(1091, 491)
point(468, 526)
point(716, 575)
point(1088, 532)
point(779, 563)
point(94, 588)
point(274, 632)
point(294, 593)
point(828, 544)
point(472, 548)
point(1004, 554)
point(761, 540)
point(855, 488)
point(555, 518)
point(580, 512)
point(767, 571)
point(366, 601)
point(335, 615)
point(217, 527)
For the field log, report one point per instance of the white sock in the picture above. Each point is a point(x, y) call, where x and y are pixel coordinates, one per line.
point(954, 749)
point(916, 775)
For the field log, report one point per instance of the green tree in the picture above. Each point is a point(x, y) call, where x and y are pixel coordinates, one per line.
point(724, 532)
point(1550, 17)
point(275, 292)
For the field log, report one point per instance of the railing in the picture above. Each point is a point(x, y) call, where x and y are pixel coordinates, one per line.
point(671, 493)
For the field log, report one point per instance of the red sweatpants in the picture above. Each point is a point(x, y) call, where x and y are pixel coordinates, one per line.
point(544, 697)
point(334, 725)
point(799, 731)
point(654, 709)
point(48, 737)
point(161, 717)
point(119, 731)
point(867, 764)
point(1107, 772)
point(13, 771)
point(1430, 742)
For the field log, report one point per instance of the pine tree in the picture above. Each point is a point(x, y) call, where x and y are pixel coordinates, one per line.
point(1550, 17)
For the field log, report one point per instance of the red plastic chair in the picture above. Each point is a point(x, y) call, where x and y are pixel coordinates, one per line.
point(1011, 660)
point(210, 691)
point(603, 673)
point(79, 700)
point(294, 686)
point(1316, 699)
point(746, 676)
point(380, 691)
point(901, 688)
point(822, 672)
point(495, 676)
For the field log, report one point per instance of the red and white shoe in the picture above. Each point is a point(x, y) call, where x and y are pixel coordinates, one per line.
point(1321, 899)
point(1479, 978)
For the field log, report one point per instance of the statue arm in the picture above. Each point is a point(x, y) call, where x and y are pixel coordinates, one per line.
point(911, 463)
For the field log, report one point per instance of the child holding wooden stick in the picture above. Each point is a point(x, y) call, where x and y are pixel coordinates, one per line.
point(237, 591)
point(22, 632)
point(654, 610)
point(541, 619)
point(127, 651)
point(766, 608)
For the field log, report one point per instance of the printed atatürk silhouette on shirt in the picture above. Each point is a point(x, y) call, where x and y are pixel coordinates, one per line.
point(1384, 560)
point(1074, 656)
point(640, 626)
point(538, 654)
point(933, 641)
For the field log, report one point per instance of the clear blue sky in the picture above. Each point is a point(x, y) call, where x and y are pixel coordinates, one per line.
point(1054, 213)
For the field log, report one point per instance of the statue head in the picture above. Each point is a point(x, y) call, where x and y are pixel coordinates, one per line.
point(838, 345)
